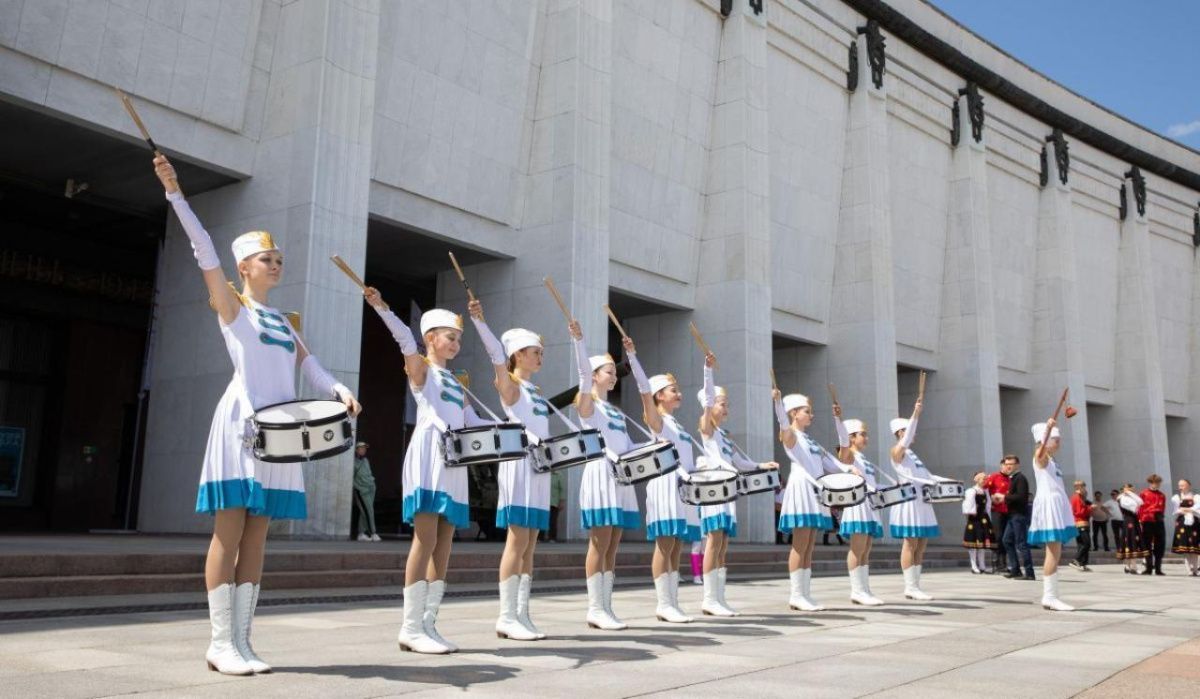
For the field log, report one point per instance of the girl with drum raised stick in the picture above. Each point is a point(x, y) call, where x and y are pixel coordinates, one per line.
point(524, 502)
point(606, 507)
point(860, 523)
point(435, 494)
point(1052, 521)
point(802, 513)
point(242, 492)
point(914, 521)
point(718, 523)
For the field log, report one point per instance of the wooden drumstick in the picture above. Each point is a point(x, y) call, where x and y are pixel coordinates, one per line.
point(833, 394)
point(700, 341)
point(462, 277)
point(613, 318)
point(1046, 437)
point(774, 385)
point(921, 387)
point(562, 306)
point(341, 264)
point(137, 120)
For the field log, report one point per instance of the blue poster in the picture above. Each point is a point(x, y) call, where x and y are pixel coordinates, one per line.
point(12, 444)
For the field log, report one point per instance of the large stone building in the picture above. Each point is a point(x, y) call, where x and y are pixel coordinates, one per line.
point(847, 191)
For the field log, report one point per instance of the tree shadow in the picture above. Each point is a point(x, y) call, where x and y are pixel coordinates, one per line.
point(461, 676)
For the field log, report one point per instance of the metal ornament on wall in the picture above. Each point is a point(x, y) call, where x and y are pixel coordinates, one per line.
point(974, 109)
point(852, 73)
point(726, 7)
point(1196, 229)
point(955, 128)
point(1139, 189)
point(875, 54)
point(1062, 156)
point(757, 6)
point(1123, 207)
point(1044, 172)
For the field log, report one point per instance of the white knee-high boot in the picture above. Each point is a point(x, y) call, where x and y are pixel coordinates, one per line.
point(912, 584)
point(507, 625)
point(722, 575)
point(597, 616)
point(801, 601)
point(523, 594)
point(1050, 598)
point(245, 599)
point(433, 602)
point(610, 579)
point(222, 655)
point(412, 631)
point(664, 610)
point(674, 576)
point(867, 599)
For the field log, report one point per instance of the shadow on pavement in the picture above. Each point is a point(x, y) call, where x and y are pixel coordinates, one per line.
point(582, 655)
point(461, 676)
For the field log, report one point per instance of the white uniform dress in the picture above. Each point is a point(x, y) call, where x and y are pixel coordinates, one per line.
point(862, 518)
point(603, 502)
point(666, 514)
point(263, 350)
point(429, 485)
point(1052, 519)
point(914, 519)
point(524, 499)
point(720, 452)
point(801, 508)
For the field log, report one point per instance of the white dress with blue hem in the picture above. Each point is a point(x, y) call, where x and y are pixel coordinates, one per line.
point(914, 519)
point(666, 514)
point(1052, 519)
point(524, 494)
point(603, 502)
point(721, 452)
point(429, 485)
point(862, 518)
point(801, 509)
point(262, 346)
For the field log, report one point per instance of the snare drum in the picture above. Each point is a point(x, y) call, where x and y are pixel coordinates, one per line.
point(943, 491)
point(567, 450)
point(301, 430)
point(709, 487)
point(842, 489)
point(759, 480)
point(893, 495)
point(485, 444)
point(647, 461)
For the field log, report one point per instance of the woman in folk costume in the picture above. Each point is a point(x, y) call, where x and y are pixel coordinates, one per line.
point(606, 507)
point(978, 533)
point(1186, 541)
point(435, 495)
point(718, 522)
point(913, 521)
point(860, 523)
point(523, 506)
point(802, 513)
point(1052, 521)
point(1132, 546)
point(241, 492)
point(670, 522)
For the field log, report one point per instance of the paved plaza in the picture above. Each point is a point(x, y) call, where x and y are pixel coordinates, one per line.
point(983, 636)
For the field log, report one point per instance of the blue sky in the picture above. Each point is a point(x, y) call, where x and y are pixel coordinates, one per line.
point(1138, 58)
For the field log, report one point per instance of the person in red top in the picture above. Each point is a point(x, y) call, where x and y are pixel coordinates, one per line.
point(1081, 508)
point(997, 485)
point(1151, 514)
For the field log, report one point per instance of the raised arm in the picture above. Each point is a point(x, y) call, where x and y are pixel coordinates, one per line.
point(1041, 458)
point(910, 433)
point(584, 406)
point(649, 412)
point(707, 426)
point(844, 453)
point(414, 363)
point(786, 434)
point(508, 389)
point(224, 300)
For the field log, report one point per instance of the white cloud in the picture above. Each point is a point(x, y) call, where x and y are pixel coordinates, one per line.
point(1179, 130)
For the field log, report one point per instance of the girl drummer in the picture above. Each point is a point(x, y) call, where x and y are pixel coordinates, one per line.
point(607, 508)
point(670, 522)
point(524, 500)
point(1052, 522)
point(1186, 541)
point(243, 493)
point(860, 523)
point(802, 513)
point(913, 521)
point(435, 495)
point(718, 522)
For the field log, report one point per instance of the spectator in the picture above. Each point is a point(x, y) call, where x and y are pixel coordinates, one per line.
point(1187, 525)
point(1081, 509)
point(997, 485)
point(779, 510)
point(978, 535)
point(1132, 546)
point(1115, 518)
point(1151, 514)
point(364, 494)
point(1016, 534)
point(1100, 518)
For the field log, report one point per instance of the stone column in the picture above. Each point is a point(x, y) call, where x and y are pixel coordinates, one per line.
point(733, 291)
point(1057, 356)
point(1189, 431)
point(309, 189)
point(862, 322)
point(962, 397)
point(1138, 443)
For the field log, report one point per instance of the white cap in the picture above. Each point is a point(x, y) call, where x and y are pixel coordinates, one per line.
point(853, 426)
point(1039, 432)
point(795, 400)
point(518, 339)
point(898, 423)
point(720, 390)
point(660, 381)
point(440, 318)
point(252, 243)
point(600, 360)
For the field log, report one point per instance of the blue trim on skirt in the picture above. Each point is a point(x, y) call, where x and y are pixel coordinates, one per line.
point(249, 494)
point(914, 532)
point(722, 522)
point(805, 521)
point(518, 516)
point(678, 528)
point(610, 517)
point(849, 528)
point(1049, 536)
point(425, 501)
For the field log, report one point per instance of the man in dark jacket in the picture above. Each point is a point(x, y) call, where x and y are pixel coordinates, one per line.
point(1016, 533)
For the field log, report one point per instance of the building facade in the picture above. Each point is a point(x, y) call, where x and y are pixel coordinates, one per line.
point(846, 191)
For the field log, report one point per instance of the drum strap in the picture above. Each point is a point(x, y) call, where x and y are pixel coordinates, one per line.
point(533, 438)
